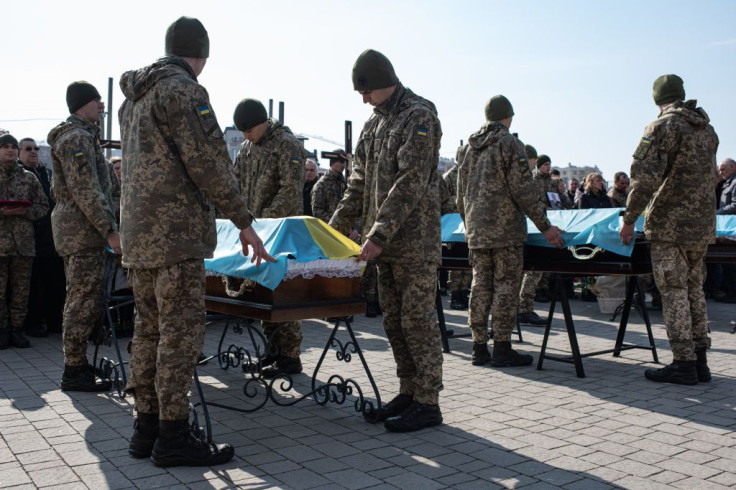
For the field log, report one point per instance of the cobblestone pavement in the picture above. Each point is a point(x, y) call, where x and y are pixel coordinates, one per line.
point(514, 428)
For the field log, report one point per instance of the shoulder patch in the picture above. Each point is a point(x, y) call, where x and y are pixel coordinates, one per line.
point(643, 148)
point(296, 161)
point(421, 131)
point(204, 110)
point(523, 160)
point(78, 154)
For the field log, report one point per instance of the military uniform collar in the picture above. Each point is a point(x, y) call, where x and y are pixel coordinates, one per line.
point(393, 104)
point(92, 128)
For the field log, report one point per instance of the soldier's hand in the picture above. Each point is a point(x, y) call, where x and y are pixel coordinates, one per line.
point(249, 237)
point(626, 234)
point(369, 251)
point(113, 239)
point(552, 235)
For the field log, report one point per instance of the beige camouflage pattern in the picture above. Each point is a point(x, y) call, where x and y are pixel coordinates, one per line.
point(409, 320)
point(287, 336)
point(326, 195)
point(528, 290)
point(83, 216)
point(85, 301)
point(15, 287)
point(175, 169)
point(496, 280)
point(672, 176)
point(394, 184)
point(678, 273)
point(457, 280)
point(394, 190)
point(271, 173)
point(17, 235)
point(369, 282)
point(495, 190)
point(618, 198)
point(168, 336)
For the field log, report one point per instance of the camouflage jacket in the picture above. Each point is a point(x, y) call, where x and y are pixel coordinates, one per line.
point(672, 177)
point(175, 167)
point(546, 184)
point(495, 190)
point(271, 173)
point(326, 195)
point(394, 185)
point(618, 198)
point(448, 191)
point(17, 232)
point(83, 215)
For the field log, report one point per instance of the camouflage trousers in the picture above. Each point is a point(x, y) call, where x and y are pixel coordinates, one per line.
point(15, 286)
point(678, 273)
point(168, 337)
point(369, 283)
point(496, 281)
point(286, 336)
point(407, 295)
point(85, 302)
point(459, 280)
point(528, 290)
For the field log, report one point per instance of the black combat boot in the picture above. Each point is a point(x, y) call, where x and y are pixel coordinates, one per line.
point(283, 365)
point(18, 340)
point(178, 445)
point(4, 340)
point(417, 416)
point(456, 300)
point(679, 373)
point(481, 354)
point(391, 409)
point(145, 432)
point(532, 319)
point(372, 309)
point(505, 356)
point(701, 365)
point(82, 378)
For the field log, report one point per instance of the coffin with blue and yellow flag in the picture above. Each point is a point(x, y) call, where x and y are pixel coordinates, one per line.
point(315, 275)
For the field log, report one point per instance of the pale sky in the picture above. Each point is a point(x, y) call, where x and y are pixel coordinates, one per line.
point(578, 73)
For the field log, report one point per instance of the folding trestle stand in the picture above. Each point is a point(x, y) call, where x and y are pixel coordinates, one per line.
point(632, 285)
point(336, 389)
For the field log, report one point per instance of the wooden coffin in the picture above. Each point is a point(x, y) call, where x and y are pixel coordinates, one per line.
point(297, 298)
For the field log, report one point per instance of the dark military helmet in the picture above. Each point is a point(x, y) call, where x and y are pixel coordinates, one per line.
point(8, 139)
point(498, 108)
point(80, 93)
point(248, 114)
point(188, 38)
point(530, 151)
point(542, 160)
point(372, 70)
point(668, 88)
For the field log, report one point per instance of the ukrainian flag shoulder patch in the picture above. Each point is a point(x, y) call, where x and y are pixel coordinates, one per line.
point(421, 131)
point(204, 110)
point(78, 154)
point(296, 161)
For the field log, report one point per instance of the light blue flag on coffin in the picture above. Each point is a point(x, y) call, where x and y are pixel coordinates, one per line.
point(300, 238)
point(597, 227)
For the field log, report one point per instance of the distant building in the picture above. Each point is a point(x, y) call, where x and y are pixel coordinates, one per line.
point(579, 173)
point(445, 164)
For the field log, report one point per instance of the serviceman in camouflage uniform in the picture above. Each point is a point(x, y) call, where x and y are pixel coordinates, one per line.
point(620, 190)
point(176, 171)
point(530, 279)
point(677, 157)
point(394, 188)
point(458, 281)
point(83, 223)
point(17, 242)
point(327, 193)
point(270, 171)
point(495, 191)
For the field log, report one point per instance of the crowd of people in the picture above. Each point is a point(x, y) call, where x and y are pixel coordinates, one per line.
point(175, 175)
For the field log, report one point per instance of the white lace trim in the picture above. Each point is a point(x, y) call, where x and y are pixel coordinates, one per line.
point(320, 267)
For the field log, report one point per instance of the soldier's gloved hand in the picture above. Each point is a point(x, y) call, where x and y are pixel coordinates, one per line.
point(552, 235)
point(249, 237)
